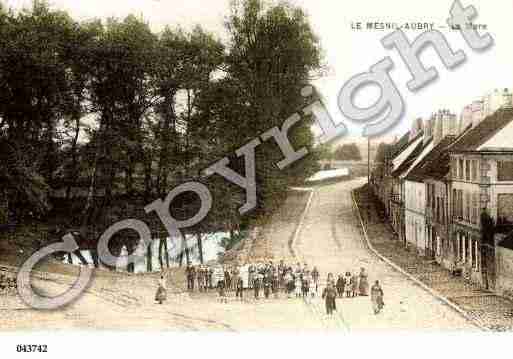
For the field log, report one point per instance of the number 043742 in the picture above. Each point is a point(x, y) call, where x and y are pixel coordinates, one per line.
point(33, 348)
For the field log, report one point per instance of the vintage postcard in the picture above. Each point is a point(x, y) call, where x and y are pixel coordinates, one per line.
point(290, 167)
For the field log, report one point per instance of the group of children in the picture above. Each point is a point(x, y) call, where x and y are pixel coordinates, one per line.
point(266, 278)
point(351, 285)
point(270, 279)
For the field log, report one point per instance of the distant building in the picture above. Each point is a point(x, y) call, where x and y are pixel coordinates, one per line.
point(481, 180)
point(465, 118)
point(430, 177)
point(418, 234)
point(448, 190)
point(399, 164)
point(485, 106)
point(495, 100)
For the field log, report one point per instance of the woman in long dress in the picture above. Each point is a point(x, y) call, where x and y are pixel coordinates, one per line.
point(315, 277)
point(298, 285)
point(329, 294)
point(307, 278)
point(161, 294)
point(313, 287)
point(289, 280)
point(251, 275)
point(364, 283)
point(341, 284)
point(348, 286)
point(377, 297)
point(354, 285)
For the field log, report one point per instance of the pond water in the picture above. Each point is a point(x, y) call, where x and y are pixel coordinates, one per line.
point(211, 249)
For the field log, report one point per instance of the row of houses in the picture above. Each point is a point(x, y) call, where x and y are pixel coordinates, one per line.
point(447, 190)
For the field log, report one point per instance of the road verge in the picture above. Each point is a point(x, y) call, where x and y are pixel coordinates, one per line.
point(415, 280)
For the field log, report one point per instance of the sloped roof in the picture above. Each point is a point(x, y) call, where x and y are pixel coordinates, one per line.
point(409, 160)
point(436, 164)
point(484, 131)
point(400, 145)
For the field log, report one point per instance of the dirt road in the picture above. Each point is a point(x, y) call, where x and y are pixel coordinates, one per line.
point(328, 236)
point(331, 238)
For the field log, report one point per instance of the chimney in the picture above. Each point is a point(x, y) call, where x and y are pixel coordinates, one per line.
point(416, 128)
point(465, 118)
point(477, 112)
point(444, 125)
point(452, 124)
point(428, 131)
point(437, 127)
point(507, 101)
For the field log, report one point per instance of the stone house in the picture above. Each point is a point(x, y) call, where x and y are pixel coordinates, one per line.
point(383, 185)
point(402, 162)
point(431, 173)
point(481, 161)
point(414, 194)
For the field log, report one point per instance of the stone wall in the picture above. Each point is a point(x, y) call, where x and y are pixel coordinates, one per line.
point(504, 282)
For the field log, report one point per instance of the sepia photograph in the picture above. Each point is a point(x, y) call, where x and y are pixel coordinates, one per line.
point(316, 177)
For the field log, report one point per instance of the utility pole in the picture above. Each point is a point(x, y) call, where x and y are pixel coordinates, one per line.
point(368, 162)
point(368, 180)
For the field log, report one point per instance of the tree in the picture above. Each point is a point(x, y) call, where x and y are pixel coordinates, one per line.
point(35, 94)
point(381, 153)
point(121, 96)
point(324, 152)
point(97, 118)
point(273, 54)
point(348, 152)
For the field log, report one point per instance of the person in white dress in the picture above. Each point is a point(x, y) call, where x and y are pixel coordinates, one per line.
point(298, 286)
point(161, 294)
point(313, 287)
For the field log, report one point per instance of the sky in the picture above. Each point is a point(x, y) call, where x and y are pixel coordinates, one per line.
point(348, 51)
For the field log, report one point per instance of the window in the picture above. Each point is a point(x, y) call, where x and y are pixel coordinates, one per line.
point(437, 209)
point(460, 169)
point(453, 202)
point(505, 170)
point(460, 246)
point(475, 204)
point(433, 195)
point(459, 207)
point(454, 165)
point(460, 204)
point(505, 209)
point(474, 254)
point(442, 207)
point(467, 170)
point(468, 206)
point(467, 249)
point(474, 170)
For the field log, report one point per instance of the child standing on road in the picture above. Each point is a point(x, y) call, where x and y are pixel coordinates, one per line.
point(348, 287)
point(221, 289)
point(239, 289)
point(161, 295)
point(341, 284)
point(354, 285)
point(289, 280)
point(313, 288)
point(299, 286)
